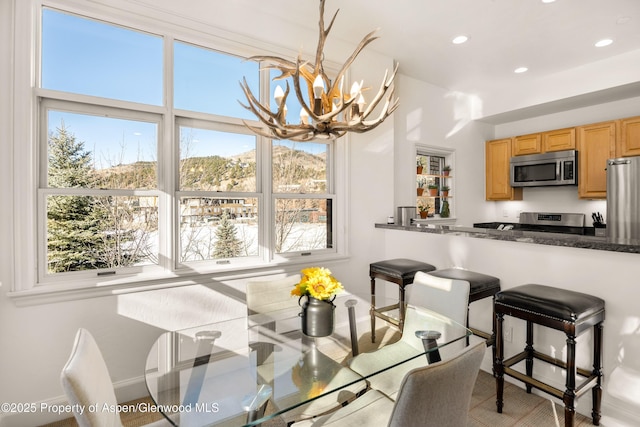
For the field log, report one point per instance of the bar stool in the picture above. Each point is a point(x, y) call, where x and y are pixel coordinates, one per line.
point(563, 310)
point(399, 271)
point(480, 286)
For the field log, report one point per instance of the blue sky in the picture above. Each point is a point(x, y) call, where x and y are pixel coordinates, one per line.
point(89, 57)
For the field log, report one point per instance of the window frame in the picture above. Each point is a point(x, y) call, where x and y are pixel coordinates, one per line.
point(46, 104)
point(449, 156)
point(28, 286)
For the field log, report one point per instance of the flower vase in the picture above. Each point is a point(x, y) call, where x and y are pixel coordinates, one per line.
point(317, 317)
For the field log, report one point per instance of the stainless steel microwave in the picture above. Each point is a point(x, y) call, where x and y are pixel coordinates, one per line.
point(539, 170)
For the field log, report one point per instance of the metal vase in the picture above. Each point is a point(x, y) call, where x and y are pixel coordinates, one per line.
point(317, 317)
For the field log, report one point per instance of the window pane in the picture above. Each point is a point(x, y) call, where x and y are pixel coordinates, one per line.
point(99, 152)
point(299, 167)
point(218, 228)
point(88, 233)
point(208, 81)
point(303, 224)
point(217, 161)
point(88, 57)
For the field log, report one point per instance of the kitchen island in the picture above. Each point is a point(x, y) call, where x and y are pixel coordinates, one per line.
point(540, 238)
point(593, 265)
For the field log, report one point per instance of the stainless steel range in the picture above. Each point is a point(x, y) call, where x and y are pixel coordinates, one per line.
point(567, 223)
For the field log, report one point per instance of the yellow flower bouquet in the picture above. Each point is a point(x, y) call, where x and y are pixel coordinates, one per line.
point(320, 288)
point(318, 283)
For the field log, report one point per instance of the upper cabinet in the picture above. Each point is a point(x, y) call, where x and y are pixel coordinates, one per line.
point(527, 144)
point(497, 158)
point(558, 140)
point(629, 137)
point(536, 143)
point(596, 144)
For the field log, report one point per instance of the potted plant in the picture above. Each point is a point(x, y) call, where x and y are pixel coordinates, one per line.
point(444, 191)
point(433, 190)
point(419, 165)
point(444, 210)
point(424, 210)
point(421, 184)
point(446, 170)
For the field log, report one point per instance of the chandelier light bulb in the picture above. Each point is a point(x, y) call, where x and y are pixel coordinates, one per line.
point(304, 117)
point(278, 95)
point(355, 89)
point(318, 87)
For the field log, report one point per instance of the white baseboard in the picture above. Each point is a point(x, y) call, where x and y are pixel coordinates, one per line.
point(125, 390)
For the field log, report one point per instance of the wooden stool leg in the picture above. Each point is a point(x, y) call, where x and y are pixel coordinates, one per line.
point(493, 334)
point(597, 370)
point(529, 350)
point(372, 309)
point(498, 366)
point(569, 397)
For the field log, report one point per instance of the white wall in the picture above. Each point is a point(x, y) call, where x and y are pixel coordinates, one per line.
point(433, 116)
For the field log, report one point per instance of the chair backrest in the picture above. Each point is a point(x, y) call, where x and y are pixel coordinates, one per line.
point(86, 381)
point(448, 297)
point(264, 296)
point(439, 395)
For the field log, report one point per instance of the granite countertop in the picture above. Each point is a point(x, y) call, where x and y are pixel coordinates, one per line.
point(540, 238)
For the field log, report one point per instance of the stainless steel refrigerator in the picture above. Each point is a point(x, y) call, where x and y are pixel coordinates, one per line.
point(623, 198)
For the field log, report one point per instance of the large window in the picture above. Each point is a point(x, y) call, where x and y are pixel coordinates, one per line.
point(145, 165)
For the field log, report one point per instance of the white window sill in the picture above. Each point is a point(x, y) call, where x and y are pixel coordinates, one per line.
point(54, 293)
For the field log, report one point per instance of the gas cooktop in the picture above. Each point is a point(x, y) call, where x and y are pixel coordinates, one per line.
point(566, 223)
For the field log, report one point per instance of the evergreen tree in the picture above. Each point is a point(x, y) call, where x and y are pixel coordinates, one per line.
point(227, 243)
point(74, 223)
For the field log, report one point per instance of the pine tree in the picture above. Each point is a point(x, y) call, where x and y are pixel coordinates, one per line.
point(74, 223)
point(227, 243)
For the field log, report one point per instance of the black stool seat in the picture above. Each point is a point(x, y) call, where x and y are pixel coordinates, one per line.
point(560, 304)
point(400, 271)
point(568, 311)
point(480, 285)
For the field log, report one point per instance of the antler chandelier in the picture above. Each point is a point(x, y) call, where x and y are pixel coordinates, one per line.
point(331, 112)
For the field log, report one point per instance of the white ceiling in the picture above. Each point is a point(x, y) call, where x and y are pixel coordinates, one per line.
point(555, 40)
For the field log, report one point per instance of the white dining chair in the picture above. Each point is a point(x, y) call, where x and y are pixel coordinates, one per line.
point(437, 395)
point(447, 297)
point(86, 381)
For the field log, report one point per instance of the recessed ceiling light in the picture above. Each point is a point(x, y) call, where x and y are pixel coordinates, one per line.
point(460, 39)
point(623, 20)
point(520, 70)
point(548, 1)
point(603, 42)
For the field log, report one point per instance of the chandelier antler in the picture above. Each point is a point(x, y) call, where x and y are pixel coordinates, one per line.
point(330, 112)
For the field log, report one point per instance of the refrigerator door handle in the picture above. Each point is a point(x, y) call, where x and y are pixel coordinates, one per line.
point(616, 162)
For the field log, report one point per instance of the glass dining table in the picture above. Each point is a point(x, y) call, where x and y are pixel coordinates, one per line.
point(225, 373)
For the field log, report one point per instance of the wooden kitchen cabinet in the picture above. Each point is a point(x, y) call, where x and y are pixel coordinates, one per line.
point(629, 142)
point(558, 140)
point(527, 144)
point(596, 144)
point(497, 158)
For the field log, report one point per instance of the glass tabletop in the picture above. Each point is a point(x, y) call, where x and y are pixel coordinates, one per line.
point(222, 374)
